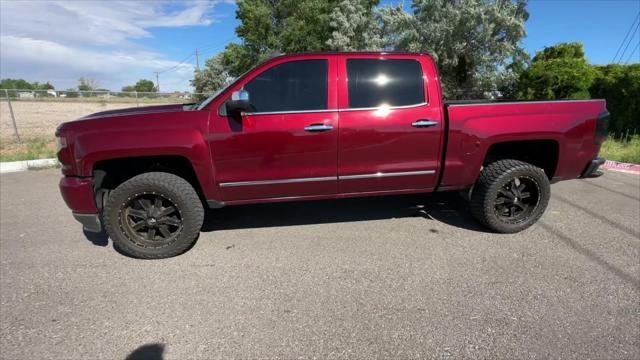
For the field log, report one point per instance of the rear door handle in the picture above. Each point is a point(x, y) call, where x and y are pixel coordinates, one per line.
point(424, 123)
point(318, 127)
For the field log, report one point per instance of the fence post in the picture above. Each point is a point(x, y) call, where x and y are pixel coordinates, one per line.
point(137, 102)
point(13, 117)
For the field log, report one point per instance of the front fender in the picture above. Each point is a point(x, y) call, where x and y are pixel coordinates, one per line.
point(91, 147)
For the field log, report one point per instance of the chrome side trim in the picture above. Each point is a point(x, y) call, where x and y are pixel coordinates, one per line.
point(380, 174)
point(520, 102)
point(283, 181)
point(290, 112)
point(336, 110)
point(327, 178)
point(385, 108)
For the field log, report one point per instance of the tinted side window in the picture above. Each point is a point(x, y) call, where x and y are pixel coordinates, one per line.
point(374, 82)
point(292, 86)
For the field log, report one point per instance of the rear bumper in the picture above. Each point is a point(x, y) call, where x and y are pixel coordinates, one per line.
point(591, 170)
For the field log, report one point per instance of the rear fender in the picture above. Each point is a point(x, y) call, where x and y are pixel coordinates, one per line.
point(471, 139)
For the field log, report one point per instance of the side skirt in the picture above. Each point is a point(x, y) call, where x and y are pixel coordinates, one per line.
point(323, 197)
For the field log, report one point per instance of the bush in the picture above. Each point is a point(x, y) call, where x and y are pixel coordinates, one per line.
point(623, 151)
point(620, 86)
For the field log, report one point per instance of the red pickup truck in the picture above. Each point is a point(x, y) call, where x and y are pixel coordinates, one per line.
point(320, 126)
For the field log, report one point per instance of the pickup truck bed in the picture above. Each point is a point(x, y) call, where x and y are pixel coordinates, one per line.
point(476, 126)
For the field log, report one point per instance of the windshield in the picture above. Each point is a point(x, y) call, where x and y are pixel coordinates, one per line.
point(200, 105)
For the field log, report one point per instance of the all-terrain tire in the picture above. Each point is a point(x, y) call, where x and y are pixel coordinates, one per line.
point(175, 190)
point(493, 179)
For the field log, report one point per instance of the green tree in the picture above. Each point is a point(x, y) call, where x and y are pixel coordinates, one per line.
point(71, 93)
point(87, 84)
point(212, 77)
point(557, 72)
point(24, 85)
point(38, 86)
point(473, 41)
point(354, 27)
point(620, 86)
point(144, 85)
point(271, 27)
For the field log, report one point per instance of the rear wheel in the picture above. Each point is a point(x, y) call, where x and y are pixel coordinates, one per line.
point(510, 195)
point(154, 215)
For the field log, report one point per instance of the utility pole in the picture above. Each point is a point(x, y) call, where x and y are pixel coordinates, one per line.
point(197, 61)
point(157, 81)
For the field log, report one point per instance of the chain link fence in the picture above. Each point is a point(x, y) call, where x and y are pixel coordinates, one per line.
point(33, 115)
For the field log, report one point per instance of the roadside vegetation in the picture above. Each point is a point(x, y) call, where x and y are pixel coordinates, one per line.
point(28, 150)
point(621, 150)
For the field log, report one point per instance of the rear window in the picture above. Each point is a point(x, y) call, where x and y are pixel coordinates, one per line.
point(376, 82)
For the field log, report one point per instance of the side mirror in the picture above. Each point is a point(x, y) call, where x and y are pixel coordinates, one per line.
point(239, 102)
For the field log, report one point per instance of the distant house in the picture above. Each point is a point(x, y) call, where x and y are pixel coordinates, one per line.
point(26, 95)
point(52, 93)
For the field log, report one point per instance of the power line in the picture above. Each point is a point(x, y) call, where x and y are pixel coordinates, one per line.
point(629, 43)
point(625, 37)
point(178, 64)
point(633, 51)
point(197, 53)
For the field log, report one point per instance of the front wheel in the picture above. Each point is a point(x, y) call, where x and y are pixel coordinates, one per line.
point(153, 215)
point(510, 195)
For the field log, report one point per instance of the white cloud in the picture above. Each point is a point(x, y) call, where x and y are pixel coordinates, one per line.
point(63, 40)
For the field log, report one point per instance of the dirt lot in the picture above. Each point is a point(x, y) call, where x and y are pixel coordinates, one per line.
point(39, 119)
point(389, 277)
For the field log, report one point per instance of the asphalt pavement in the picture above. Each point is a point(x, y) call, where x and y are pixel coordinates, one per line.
point(389, 277)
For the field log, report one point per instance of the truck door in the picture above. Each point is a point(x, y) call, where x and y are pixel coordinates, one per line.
point(390, 128)
point(287, 145)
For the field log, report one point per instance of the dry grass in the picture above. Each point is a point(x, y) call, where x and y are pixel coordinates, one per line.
point(37, 122)
point(39, 119)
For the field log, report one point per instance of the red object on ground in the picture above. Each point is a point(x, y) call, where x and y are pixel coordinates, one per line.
point(615, 165)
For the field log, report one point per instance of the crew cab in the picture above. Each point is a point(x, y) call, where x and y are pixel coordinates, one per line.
point(320, 126)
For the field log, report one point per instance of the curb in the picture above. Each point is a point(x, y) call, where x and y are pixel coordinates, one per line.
point(14, 166)
point(622, 167)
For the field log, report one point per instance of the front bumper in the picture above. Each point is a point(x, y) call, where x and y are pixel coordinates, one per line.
point(591, 171)
point(90, 222)
point(79, 196)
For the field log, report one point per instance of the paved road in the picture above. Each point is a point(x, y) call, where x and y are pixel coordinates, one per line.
point(398, 277)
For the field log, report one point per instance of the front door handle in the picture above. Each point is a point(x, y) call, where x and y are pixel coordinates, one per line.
point(424, 123)
point(318, 127)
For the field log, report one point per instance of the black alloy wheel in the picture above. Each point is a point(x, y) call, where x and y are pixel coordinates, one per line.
point(510, 195)
point(151, 220)
point(154, 215)
point(517, 199)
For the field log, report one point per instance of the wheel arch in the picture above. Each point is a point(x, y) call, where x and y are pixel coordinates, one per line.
point(109, 173)
point(543, 153)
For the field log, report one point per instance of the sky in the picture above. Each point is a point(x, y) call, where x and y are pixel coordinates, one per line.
point(119, 42)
